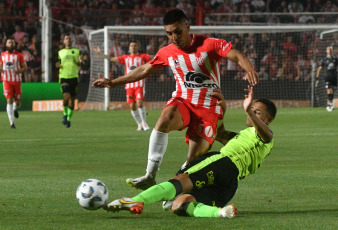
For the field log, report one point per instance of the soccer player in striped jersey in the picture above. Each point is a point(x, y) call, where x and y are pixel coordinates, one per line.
point(12, 65)
point(209, 183)
point(135, 91)
point(195, 61)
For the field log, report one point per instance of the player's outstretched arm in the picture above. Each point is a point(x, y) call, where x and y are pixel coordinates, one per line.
point(137, 74)
point(251, 75)
point(262, 129)
point(98, 51)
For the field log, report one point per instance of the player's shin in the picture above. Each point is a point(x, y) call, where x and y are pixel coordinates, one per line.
point(10, 113)
point(157, 147)
point(164, 191)
point(197, 209)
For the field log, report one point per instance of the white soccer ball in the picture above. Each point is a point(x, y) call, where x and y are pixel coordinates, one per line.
point(92, 194)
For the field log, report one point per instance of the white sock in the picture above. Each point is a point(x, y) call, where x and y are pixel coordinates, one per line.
point(10, 113)
point(15, 106)
point(142, 112)
point(136, 116)
point(157, 146)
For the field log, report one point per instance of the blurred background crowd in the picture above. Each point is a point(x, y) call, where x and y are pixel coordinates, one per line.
point(274, 60)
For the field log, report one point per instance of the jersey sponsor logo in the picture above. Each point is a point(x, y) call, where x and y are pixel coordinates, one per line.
point(198, 80)
point(9, 65)
point(208, 131)
point(211, 178)
point(132, 68)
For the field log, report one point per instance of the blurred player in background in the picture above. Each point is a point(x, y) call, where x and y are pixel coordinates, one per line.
point(194, 60)
point(135, 91)
point(210, 182)
point(329, 64)
point(69, 61)
point(12, 65)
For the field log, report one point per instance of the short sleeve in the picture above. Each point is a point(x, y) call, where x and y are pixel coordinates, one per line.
point(146, 57)
point(159, 60)
point(222, 47)
point(121, 59)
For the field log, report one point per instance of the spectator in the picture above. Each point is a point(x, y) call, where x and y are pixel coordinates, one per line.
point(84, 70)
point(306, 18)
point(290, 47)
point(262, 74)
point(18, 35)
point(303, 68)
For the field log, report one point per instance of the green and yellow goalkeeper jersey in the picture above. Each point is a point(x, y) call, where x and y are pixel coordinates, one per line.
point(247, 151)
point(70, 63)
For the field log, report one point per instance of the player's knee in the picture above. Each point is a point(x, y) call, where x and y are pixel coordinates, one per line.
point(179, 208)
point(170, 119)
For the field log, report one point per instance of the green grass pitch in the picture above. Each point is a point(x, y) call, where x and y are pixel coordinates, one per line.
point(42, 163)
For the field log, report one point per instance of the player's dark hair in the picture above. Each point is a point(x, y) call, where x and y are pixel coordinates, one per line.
point(9, 38)
point(172, 16)
point(270, 106)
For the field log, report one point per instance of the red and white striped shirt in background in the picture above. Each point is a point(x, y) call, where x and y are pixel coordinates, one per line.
point(11, 62)
point(196, 69)
point(130, 63)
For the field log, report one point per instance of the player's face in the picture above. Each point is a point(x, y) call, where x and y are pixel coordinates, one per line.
point(261, 112)
point(67, 41)
point(178, 34)
point(328, 50)
point(10, 44)
point(133, 47)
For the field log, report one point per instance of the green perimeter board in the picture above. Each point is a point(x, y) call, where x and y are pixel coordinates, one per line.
point(34, 92)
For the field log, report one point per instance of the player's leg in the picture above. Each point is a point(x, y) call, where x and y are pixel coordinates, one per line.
point(197, 147)
point(9, 95)
point(130, 95)
point(73, 83)
point(170, 119)
point(71, 106)
point(140, 91)
point(17, 99)
point(163, 191)
point(66, 96)
point(330, 96)
point(10, 112)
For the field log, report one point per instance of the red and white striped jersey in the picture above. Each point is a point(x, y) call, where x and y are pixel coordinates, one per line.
point(130, 63)
point(196, 69)
point(11, 62)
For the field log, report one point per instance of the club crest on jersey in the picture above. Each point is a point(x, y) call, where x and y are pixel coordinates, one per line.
point(198, 80)
point(200, 60)
point(177, 63)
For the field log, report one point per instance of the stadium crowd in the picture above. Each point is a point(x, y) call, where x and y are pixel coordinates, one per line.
point(289, 60)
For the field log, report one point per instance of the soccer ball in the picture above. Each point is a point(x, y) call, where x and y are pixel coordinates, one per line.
point(92, 194)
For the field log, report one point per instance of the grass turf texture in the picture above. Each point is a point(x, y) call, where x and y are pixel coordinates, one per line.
point(42, 163)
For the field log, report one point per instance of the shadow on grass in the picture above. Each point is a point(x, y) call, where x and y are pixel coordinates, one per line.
point(321, 211)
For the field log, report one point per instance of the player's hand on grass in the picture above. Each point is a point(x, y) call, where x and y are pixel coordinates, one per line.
point(102, 82)
point(251, 77)
point(248, 98)
point(220, 98)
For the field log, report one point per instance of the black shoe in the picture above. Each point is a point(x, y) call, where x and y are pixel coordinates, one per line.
point(68, 124)
point(13, 126)
point(64, 120)
point(16, 114)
